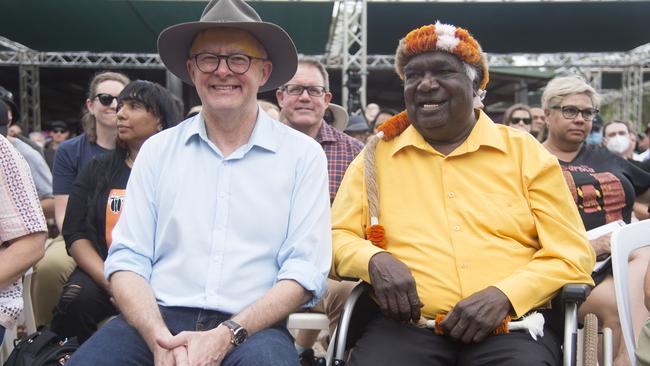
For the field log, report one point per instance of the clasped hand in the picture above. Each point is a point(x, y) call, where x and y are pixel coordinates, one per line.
point(193, 348)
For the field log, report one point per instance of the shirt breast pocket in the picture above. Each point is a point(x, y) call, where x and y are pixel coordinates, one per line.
point(508, 215)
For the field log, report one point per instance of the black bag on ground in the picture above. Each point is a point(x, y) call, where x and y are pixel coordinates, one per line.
point(42, 348)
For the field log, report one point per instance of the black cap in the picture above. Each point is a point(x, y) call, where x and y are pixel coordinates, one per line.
point(57, 124)
point(8, 98)
point(4, 120)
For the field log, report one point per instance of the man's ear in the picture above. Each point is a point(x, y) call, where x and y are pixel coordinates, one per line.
point(328, 97)
point(267, 68)
point(190, 69)
point(279, 96)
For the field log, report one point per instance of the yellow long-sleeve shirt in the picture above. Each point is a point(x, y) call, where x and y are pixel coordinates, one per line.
point(494, 212)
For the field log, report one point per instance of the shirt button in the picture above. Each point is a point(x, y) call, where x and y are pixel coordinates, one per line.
point(222, 195)
point(451, 194)
point(456, 228)
point(463, 265)
point(220, 228)
point(225, 162)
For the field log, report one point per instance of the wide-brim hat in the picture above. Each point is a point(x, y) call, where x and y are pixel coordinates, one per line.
point(174, 42)
point(340, 115)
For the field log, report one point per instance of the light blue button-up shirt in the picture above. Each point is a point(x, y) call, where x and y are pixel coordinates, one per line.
point(217, 233)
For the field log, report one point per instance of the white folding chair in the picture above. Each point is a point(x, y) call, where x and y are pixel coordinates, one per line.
point(624, 241)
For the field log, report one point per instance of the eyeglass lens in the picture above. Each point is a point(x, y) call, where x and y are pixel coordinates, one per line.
point(105, 99)
point(208, 62)
point(515, 120)
point(314, 91)
point(570, 112)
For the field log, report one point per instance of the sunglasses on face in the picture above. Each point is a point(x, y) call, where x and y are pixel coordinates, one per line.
point(515, 120)
point(59, 130)
point(571, 112)
point(105, 99)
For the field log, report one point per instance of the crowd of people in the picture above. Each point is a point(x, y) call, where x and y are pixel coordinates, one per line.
point(160, 237)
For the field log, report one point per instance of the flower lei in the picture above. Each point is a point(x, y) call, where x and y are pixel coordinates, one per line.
point(390, 129)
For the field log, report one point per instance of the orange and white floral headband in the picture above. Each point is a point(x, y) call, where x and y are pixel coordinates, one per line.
point(442, 37)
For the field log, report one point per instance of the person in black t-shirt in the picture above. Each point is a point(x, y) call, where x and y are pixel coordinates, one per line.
point(604, 187)
point(95, 203)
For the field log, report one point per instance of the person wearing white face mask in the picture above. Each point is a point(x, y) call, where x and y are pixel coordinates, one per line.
point(616, 137)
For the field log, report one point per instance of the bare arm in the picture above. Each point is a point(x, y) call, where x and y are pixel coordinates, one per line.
point(137, 303)
point(47, 204)
point(644, 197)
point(21, 254)
point(87, 259)
point(60, 203)
point(646, 288)
point(280, 301)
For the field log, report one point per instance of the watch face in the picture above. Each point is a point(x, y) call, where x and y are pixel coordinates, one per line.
point(239, 336)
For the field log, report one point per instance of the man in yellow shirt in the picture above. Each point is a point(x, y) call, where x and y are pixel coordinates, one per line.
point(449, 213)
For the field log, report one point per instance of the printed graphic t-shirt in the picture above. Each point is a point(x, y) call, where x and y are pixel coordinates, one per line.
point(604, 186)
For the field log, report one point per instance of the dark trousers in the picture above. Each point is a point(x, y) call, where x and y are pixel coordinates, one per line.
point(83, 304)
point(386, 342)
point(118, 343)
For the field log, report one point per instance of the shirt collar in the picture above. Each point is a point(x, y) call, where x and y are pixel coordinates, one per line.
point(484, 133)
point(326, 133)
point(265, 133)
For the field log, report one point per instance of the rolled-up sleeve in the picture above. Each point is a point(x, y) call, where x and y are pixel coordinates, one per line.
point(132, 248)
point(306, 254)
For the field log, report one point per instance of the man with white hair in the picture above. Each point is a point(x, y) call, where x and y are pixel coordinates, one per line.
point(454, 219)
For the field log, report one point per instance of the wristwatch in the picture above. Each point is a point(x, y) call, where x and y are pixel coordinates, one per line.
point(238, 334)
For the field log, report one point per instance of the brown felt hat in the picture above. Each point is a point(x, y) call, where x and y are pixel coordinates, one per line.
point(174, 43)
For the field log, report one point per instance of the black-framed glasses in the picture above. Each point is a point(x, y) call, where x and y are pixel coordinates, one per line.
point(105, 99)
point(312, 90)
point(571, 112)
point(237, 63)
point(515, 120)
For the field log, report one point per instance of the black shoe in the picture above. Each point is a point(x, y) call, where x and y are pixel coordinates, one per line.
point(307, 358)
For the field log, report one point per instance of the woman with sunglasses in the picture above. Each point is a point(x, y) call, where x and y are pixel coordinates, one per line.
point(100, 125)
point(143, 109)
point(605, 187)
point(518, 116)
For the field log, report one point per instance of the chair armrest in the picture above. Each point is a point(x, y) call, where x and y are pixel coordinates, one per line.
point(575, 292)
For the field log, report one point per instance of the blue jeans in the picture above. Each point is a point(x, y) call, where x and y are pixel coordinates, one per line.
point(2, 334)
point(117, 343)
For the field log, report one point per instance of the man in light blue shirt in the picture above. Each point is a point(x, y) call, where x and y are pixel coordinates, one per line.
point(226, 226)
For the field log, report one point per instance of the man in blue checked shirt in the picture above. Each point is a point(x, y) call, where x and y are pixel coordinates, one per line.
point(226, 226)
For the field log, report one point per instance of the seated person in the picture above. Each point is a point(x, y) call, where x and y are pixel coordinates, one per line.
point(604, 187)
point(450, 215)
point(226, 230)
point(95, 203)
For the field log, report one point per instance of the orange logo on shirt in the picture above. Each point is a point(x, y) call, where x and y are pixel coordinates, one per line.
point(114, 207)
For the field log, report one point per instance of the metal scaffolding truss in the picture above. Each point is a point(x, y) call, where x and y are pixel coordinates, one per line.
point(347, 52)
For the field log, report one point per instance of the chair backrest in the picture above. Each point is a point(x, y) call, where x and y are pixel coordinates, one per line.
point(624, 241)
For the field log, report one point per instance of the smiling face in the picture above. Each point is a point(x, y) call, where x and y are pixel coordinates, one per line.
point(304, 112)
point(573, 131)
point(438, 96)
point(223, 91)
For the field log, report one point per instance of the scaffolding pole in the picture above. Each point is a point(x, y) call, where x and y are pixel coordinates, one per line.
point(30, 97)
